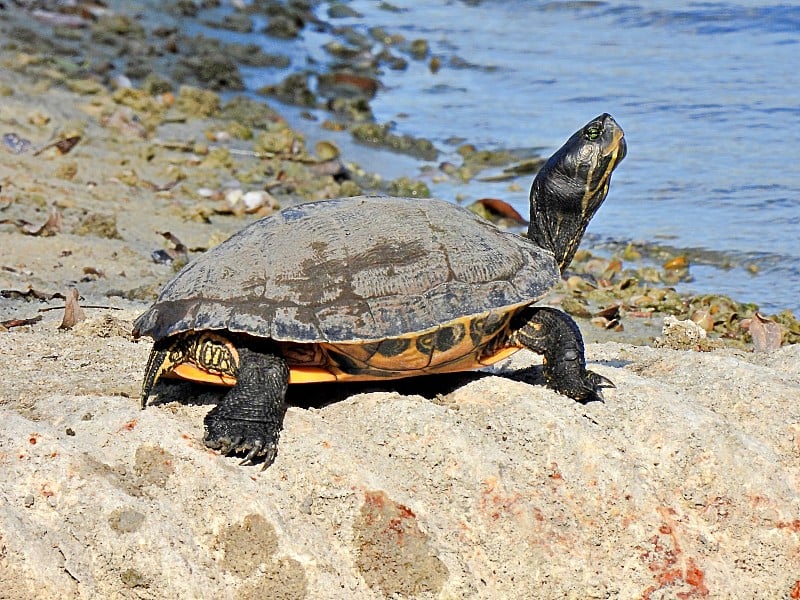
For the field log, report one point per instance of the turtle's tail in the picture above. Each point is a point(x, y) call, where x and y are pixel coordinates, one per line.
point(156, 365)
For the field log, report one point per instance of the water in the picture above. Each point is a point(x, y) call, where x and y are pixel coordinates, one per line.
point(708, 94)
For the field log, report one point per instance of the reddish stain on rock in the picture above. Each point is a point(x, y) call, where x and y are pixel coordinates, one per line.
point(674, 573)
point(393, 554)
point(793, 526)
point(380, 508)
point(497, 503)
point(129, 426)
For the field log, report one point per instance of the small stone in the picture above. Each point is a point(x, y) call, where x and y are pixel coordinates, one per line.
point(680, 335)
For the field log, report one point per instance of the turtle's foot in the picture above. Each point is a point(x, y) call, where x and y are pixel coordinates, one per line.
point(236, 436)
point(556, 336)
point(583, 386)
point(250, 417)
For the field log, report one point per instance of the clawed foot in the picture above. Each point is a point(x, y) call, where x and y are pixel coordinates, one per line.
point(584, 389)
point(237, 436)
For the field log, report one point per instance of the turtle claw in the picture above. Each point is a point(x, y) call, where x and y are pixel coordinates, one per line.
point(584, 387)
point(593, 385)
point(592, 396)
point(599, 380)
point(249, 459)
point(260, 449)
point(232, 446)
point(269, 456)
point(253, 440)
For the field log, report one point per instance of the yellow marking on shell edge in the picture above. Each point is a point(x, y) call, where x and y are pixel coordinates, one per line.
point(297, 374)
point(194, 373)
point(498, 356)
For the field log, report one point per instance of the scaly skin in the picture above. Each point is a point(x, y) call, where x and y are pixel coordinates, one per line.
point(556, 336)
point(250, 417)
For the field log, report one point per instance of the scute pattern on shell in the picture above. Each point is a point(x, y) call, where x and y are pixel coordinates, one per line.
point(353, 269)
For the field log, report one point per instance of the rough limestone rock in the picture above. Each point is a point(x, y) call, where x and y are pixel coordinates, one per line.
point(684, 484)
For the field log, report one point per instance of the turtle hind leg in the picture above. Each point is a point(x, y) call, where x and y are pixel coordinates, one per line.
point(556, 336)
point(250, 417)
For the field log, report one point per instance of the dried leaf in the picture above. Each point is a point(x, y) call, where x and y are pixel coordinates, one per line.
point(703, 318)
point(160, 187)
point(20, 322)
point(173, 239)
point(611, 312)
point(349, 84)
point(501, 208)
point(614, 267)
point(678, 262)
point(94, 271)
point(62, 146)
point(73, 313)
point(496, 210)
point(65, 145)
point(767, 334)
point(576, 283)
point(26, 294)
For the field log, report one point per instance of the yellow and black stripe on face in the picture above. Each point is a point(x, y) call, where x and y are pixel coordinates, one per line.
point(572, 185)
point(596, 173)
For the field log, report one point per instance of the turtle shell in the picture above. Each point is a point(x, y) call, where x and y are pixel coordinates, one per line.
point(353, 270)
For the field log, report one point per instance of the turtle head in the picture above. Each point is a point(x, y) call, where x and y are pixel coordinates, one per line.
point(572, 185)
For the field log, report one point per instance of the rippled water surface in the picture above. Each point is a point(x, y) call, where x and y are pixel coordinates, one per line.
point(708, 94)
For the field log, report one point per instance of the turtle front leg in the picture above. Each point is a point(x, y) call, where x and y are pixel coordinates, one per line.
point(250, 416)
point(556, 336)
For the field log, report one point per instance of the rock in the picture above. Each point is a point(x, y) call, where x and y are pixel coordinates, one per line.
point(680, 335)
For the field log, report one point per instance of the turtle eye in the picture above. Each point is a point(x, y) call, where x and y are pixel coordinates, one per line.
point(592, 132)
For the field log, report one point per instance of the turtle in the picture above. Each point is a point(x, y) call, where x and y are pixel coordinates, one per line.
point(378, 288)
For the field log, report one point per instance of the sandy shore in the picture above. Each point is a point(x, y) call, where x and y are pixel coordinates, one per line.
point(684, 484)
